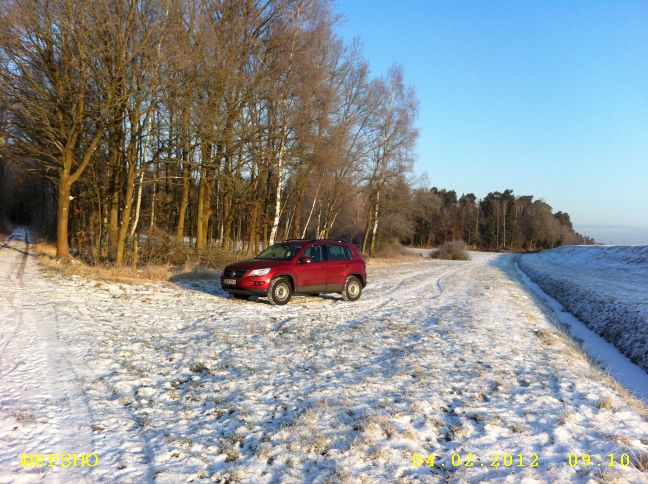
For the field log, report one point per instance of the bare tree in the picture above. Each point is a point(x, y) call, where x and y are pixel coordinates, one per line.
point(56, 96)
point(394, 136)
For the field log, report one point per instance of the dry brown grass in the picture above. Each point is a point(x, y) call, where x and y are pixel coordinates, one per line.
point(638, 460)
point(455, 250)
point(547, 337)
point(160, 258)
point(605, 403)
point(124, 275)
point(43, 248)
point(389, 250)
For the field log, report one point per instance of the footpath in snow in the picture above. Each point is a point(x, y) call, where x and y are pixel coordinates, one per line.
point(178, 382)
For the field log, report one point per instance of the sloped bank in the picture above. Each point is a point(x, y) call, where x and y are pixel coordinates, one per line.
point(605, 287)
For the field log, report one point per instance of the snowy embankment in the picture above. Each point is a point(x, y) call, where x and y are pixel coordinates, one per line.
point(178, 382)
point(604, 287)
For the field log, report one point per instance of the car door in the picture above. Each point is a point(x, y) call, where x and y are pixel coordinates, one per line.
point(312, 275)
point(336, 267)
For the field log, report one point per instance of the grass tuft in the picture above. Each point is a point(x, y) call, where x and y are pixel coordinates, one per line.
point(455, 250)
point(545, 336)
point(639, 460)
point(605, 403)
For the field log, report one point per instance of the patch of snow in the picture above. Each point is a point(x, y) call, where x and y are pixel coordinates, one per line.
point(180, 382)
point(608, 355)
point(604, 287)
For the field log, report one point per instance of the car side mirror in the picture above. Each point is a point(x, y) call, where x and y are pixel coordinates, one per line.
point(305, 260)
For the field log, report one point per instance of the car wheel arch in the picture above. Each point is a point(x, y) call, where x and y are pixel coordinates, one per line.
point(290, 278)
point(359, 276)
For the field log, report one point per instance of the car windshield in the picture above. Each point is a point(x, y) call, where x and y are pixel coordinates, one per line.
point(279, 252)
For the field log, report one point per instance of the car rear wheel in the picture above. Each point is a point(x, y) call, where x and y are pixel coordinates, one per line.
point(280, 291)
point(352, 289)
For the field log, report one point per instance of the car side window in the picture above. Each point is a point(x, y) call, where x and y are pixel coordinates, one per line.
point(314, 252)
point(347, 253)
point(335, 252)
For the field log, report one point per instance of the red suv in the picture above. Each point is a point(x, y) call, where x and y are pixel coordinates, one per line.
point(298, 267)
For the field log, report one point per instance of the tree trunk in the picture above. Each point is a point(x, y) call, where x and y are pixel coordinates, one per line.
point(279, 188)
point(226, 224)
point(265, 235)
point(252, 239)
point(372, 250)
point(186, 175)
point(153, 197)
point(365, 238)
point(310, 213)
point(297, 215)
point(184, 203)
point(204, 198)
point(141, 176)
point(113, 223)
point(62, 218)
point(128, 202)
point(201, 235)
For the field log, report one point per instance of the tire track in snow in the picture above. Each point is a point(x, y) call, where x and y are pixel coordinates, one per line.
point(46, 386)
point(399, 299)
point(437, 282)
point(16, 273)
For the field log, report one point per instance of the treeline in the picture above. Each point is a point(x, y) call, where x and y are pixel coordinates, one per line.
point(229, 122)
point(499, 221)
point(225, 124)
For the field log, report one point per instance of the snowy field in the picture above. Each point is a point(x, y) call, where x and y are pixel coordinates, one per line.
point(177, 382)
point(605, 287)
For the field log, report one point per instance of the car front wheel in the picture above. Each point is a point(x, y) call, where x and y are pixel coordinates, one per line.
point(352, 289)
point(280, 291)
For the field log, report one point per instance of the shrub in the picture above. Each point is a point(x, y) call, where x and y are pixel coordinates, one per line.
point(455, 250)
point(389, 249)
point(159, 248)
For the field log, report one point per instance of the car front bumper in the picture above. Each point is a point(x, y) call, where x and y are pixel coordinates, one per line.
point(248, 286)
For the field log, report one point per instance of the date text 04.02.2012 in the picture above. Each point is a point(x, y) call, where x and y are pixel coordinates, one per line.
point(470, 460)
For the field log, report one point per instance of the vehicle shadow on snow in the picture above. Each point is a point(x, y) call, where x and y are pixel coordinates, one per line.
point(204, 281)
point(208, 282)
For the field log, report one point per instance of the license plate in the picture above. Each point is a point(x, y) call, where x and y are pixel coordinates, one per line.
point(229, 282)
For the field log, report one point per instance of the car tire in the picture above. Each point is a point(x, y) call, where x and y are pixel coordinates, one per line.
point(240, 296)
point(280, 291)
point(352, 289)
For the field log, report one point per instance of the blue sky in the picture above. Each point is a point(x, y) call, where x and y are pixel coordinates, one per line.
point(548, 98)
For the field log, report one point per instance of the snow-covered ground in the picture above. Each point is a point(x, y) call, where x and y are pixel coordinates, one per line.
point(177, 382)
point(605, 287)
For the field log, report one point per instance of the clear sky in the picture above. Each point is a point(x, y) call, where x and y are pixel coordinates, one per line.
point(549, 98)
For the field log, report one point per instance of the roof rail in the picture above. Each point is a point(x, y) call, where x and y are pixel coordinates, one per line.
point(315, 240)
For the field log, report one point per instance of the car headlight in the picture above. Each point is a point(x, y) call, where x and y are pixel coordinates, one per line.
point(259, 272)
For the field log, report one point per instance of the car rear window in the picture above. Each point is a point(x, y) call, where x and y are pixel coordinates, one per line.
point(314, 252)
point(336, 252)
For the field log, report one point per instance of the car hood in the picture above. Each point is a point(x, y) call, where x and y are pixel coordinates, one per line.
point(256, 264)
